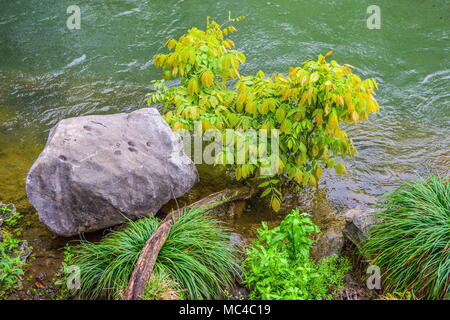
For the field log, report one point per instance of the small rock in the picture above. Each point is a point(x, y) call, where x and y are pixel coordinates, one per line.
point(238, 241)
point(331, 239)
point(327, 244)
point(359, 222)
point(236, 209)
point(24, 250)
point(238, 292)
point(42, 276)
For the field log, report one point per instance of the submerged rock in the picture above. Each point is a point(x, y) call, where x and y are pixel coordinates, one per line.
point(101, 170)
point(238, 242)
point(23, 251)
point(331, 223)
point(359, 222)
point(328, 243)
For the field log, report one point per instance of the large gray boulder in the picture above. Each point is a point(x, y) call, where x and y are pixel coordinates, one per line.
point(101, 170)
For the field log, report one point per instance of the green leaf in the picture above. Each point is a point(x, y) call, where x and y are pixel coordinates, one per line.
point(279, 115)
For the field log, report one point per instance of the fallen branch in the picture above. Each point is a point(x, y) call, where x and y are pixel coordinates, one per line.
point(144, 266)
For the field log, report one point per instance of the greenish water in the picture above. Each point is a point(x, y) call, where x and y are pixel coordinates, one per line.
point(48, 73)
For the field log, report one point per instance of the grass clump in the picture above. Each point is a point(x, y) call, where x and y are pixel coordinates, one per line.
point(196, 256)
point(411, 243)
point(279, 266)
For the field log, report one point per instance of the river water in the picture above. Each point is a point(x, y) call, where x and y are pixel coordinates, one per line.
point(48, 73)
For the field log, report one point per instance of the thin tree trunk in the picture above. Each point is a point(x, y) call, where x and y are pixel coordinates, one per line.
point(144, 266)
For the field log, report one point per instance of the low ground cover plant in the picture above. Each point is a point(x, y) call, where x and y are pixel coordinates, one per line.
point(411, 243)
point(279, 265)
point(11, 264)
point(196, 261)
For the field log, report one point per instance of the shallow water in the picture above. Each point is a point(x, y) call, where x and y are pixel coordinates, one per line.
point(48, 73)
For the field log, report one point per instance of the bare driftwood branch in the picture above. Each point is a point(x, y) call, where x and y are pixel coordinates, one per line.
point(144, 266)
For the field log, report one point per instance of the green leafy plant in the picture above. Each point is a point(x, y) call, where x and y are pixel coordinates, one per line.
point(60, 280)
point(307, 106)
point(65, 264)
point(411, 242)
point(5, 209)
point(279, 266)
point(68, 253)
point(196, 255)
point(10, 265)
point(13, 220)
point(405, 295)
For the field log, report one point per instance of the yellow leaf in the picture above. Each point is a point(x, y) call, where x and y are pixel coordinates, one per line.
point(319, 119)
point(185, 55)
point(303, 82)
point(213, 100)
point(310, 94)
point(238, 173)
point(340, 168)
point(351, 107)
point(326, 109)
point(348, 98)
point(355, 117)
point(315, 150)
point(166, 75)
point(276, 204)
point(260, 74)
point(227, 61)
point(279, 115)
point(193, 86)
point(314, 77)
point(272, 105)
point(250, 107)
point(177, 125)
point(332, 120)
point(330, 164)
point(306, 178)
point(171, 43)
point(207, 78)
point(318, 172)
point(264, 107)
point(312, 181)
point(206, 124)
point(298, 176)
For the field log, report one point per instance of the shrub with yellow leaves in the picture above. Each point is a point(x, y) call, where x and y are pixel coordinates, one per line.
point(307, 105)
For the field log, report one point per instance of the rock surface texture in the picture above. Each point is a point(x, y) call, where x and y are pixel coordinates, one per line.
point(331, 239)
point(359, 222)
point(101, 170)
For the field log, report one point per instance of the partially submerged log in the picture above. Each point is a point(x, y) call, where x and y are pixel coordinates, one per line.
point(144, 266)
